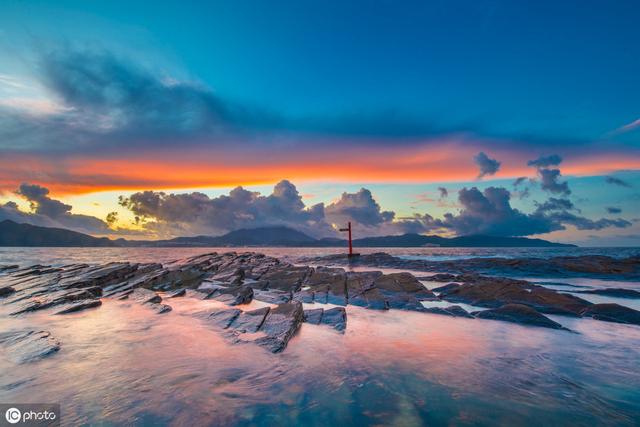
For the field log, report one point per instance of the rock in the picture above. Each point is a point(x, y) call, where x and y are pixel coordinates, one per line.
point(236, 295)
point(403, 282)
point(177, 293)
point(304, 296)
point(375, 300)
point(453, 310)
point(518, 313)
point(145, 296)
point(493, 292)
point(612, 313)
point(612, 292)
point(233, 276)
point(446, 288)
point(6, 290)
point(286, 278)
point(358, 283)
point(329, 285)
point(313, 316)
point(336, 317)
point(250, 321)
point(80, 305)
point(272, 297)
point(160, 308)
point(224, 318)
point(579, 266)
point(441, 277)
point(280, 325)
point(28, 346)
point(119, 288)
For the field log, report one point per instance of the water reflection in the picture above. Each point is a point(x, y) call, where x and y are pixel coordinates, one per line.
point(124, 364)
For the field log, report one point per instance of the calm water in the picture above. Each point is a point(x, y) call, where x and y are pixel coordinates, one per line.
point(60, 256)
point(123, 364)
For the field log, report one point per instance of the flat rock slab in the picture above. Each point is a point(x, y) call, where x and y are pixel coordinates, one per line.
point(28, 346)
point(335, 317)
point(613, 292)
point(235, 295)
point(613, 313)
point(453, 310)
point(80, 305)
point(250, 321)
point(518, 313)
point(145, 296)
point(313, 316)
point(160, 308)
point(280, 325)
point(493, 292)
point(224, 318)
point(446, 288)
point(177, 293)
point(272, 297)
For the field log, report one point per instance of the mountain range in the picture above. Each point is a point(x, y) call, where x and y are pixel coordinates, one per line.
point(14, 234)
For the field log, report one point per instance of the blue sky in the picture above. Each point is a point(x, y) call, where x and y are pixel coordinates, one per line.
point(287, 87)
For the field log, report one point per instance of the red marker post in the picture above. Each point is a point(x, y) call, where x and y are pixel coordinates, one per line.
point(348, 229)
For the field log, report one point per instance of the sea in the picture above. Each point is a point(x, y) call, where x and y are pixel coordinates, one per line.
point(122, 364)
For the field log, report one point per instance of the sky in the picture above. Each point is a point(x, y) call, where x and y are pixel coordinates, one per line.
point(437, 117)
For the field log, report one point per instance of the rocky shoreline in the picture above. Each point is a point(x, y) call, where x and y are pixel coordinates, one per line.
point(592, 266)
point(236, 279)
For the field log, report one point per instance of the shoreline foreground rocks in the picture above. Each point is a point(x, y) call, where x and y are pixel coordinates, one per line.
point(236, 279)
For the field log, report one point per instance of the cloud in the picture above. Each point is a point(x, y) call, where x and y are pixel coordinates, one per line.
point(487, 165)
point(41, 203)
point(553, 204)
point(549, 182)
point(519, 181)
point(626, 128)
point(545, 161)
point(48, 212)
point(360, 207)
point(614, 210)
point(169, 214)
point(617, 181)
point(582, 223)
point(104, 101)
point(549, 178)
point(197, 213)
point(444, 193)
point(490, 212)
point(57, 212)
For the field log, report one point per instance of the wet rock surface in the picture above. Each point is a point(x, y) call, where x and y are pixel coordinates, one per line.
point(579, 266)
point(613, 313)
point(494, 292)
point(613, 292)
point(236, 279)
point(453, 310)
point(281, 323)
point(518, 313)
point(79, 306)
point(28, 346)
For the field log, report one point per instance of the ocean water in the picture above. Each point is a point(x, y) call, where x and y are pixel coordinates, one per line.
point(60, 256)
point(122, 364)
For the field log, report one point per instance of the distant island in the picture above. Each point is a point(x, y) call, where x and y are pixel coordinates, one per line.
point(14, 234)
